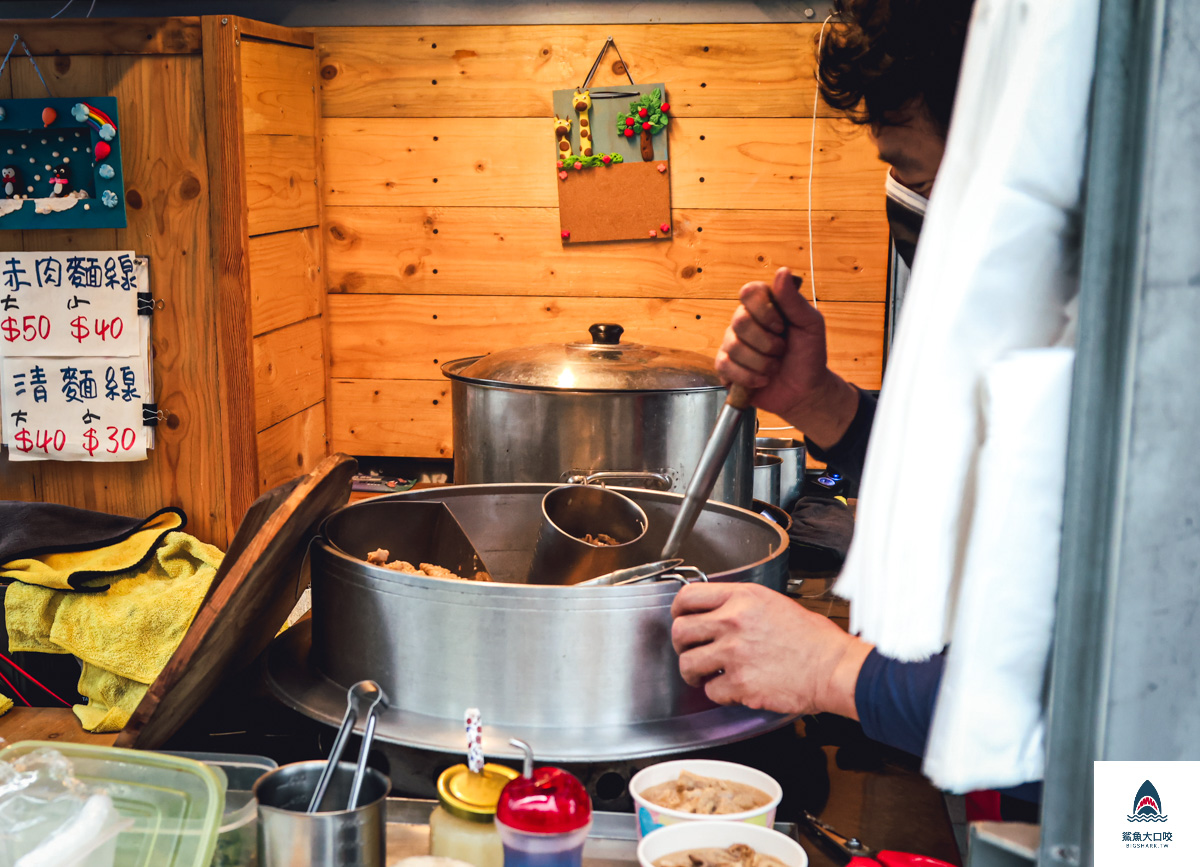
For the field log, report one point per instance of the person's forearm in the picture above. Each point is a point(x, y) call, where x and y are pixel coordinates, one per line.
point(824, 417)
point(838, 695)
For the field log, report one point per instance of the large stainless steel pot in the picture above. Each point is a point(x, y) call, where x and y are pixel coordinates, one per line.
point(585, 674)
point(640, 415)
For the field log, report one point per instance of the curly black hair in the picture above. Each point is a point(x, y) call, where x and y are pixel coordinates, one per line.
point(883, 56)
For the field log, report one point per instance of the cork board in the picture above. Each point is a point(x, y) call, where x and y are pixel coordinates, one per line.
point(615, 203)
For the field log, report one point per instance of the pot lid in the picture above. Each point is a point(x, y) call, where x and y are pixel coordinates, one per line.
point(601, 364)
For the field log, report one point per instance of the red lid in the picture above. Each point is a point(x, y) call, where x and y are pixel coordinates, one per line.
point(552, 801)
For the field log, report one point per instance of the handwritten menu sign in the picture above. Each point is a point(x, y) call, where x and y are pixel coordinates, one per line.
point(69, 303)
point(73, 386)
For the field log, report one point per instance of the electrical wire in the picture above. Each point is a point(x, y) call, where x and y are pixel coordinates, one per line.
point(24, 700)
point(812, 155)
point(64, 9)
point(35, 680)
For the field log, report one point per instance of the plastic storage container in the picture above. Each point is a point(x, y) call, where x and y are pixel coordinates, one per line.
point(463, 825)
point(175, 804)
point(237, 840)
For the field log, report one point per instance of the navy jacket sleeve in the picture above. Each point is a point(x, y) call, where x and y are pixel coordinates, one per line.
point(895, 700)
point(847, 455)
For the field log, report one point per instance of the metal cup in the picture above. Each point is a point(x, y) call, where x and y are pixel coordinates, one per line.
point(791, 474)
point(766, 477)
point(571, 512)
point(290, 837)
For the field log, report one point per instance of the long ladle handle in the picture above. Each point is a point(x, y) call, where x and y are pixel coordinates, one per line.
point(701, 484)
point(335, 755)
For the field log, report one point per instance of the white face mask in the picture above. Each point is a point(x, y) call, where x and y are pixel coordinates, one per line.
point(905, 214)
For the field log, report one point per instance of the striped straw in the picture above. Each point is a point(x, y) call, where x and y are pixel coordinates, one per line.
point(474, 740)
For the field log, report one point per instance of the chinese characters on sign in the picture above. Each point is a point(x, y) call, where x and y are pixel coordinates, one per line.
point(72, 303)
point(75, 371)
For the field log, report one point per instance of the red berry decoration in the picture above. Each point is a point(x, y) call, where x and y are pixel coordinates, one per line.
point(646, 125)
point(665, 228)
point(566, 236)
point(606, 159)
point(560, 164)
point(578, 166)
point(628, 133)
point(629, 121)
point(666, 106)
point(562, 176)
point(643, 112)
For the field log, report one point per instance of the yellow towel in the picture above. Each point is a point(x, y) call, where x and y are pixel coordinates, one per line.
point(6, 704)
point(74, 570)
point(124, 635)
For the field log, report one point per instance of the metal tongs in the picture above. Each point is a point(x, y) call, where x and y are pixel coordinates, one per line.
point(362, 700)
point(858, 854)
point(661, 570)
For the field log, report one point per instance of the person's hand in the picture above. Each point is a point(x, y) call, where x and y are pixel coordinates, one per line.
point(776, 344)
point(749, 645)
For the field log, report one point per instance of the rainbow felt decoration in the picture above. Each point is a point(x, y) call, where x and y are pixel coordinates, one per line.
point(96, 119)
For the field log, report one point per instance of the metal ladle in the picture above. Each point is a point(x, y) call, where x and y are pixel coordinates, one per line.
point(362, 699)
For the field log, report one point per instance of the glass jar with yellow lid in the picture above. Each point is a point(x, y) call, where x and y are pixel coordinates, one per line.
point(463, 825)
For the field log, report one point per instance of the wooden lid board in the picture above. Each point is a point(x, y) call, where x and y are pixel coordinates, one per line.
point(248, 602)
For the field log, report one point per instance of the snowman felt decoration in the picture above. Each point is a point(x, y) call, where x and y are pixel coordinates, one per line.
point(59, 182)
point(11, 183)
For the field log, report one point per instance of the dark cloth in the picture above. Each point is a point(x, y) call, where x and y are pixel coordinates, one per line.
point(847, 455)
point(820, 534)
point(33, 529)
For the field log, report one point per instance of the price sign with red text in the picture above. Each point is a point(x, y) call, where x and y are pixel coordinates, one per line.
point(75, 409)
point(70, 304)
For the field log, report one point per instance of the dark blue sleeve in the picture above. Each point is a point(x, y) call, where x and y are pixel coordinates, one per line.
point(895, 700)
point(847, 455)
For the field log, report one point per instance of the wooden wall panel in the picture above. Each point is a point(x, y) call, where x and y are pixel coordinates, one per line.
point(281, 182)
point(285, 278)
point(711, 70)
point(291, 447)
point(289, 371)
point(409, 417)
point(503, 162)
point(517, 251)
point(409, 337)
point(277, 89)
point(166, 176)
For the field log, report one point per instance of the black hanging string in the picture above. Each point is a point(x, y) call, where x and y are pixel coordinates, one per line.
point(607, 42)
point(17, 38)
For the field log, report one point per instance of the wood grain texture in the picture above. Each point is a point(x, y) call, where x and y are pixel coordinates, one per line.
point(281, 182)
point(248, 27)
point(291, 447)
point(249, 600)
point(277, 89)
point(49, 724)
point(517, 251)
point(166, 175)
point(230, 265)
point(711, 70)
point(285, 279)
point(507, 162)
point(409, 337)
point(408, 417)
point(289, 371)
point(107, 36)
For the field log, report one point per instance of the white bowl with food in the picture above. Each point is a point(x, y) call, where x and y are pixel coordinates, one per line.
point(719, 844)
point(703, 790)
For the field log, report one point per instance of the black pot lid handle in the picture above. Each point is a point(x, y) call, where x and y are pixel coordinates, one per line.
point(606, 334)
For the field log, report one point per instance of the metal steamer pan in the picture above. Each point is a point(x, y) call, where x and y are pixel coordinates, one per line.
point(584, 674)
point(635, 414)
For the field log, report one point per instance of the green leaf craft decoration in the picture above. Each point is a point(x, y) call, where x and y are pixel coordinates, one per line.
point(592, 162)
point(656, 113)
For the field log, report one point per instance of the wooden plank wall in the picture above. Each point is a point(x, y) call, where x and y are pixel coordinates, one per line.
point(154, 69)
point(287, 299)
point(440, 225)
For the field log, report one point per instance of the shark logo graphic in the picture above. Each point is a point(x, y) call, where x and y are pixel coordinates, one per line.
point(1147, 805)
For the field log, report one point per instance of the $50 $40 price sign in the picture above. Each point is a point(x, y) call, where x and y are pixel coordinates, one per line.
point(75, 370)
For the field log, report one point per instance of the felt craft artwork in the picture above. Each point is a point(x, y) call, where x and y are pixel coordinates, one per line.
point(612, 163)
point(60, 164)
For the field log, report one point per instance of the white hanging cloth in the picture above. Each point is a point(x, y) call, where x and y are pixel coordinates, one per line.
point(995, 269)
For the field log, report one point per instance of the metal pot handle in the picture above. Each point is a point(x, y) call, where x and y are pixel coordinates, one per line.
point(691, 574)
point(659, 481)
